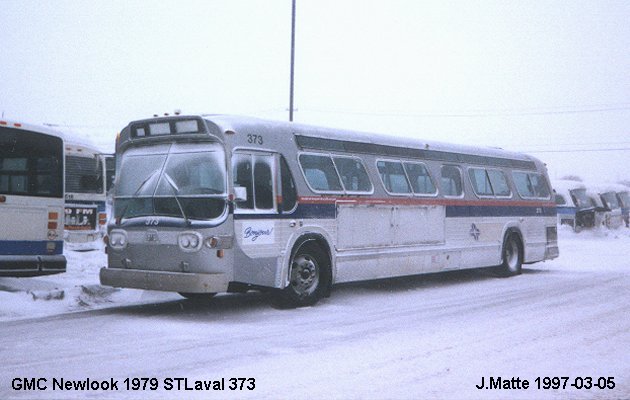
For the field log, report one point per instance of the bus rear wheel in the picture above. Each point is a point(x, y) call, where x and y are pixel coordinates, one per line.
point(512, 256)
point(309, 276)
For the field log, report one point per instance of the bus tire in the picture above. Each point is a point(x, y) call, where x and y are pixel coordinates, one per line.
point(309, 276)
point(200, 297)
point(511, 255)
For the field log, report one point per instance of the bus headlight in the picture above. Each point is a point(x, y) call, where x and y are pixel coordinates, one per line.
point(189, 241)
point(117, 240)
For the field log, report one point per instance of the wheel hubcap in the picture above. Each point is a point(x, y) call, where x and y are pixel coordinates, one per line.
point(304, 275)
point(511, 255)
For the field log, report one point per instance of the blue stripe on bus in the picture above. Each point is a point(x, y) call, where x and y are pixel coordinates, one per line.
point(29, 247)
point(499, 211)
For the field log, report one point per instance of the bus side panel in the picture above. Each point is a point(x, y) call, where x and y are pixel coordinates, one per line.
point(264, 245)
point(364, 226)
point(478, 239)
point(23, 223)
point(384, 240)
point(535, 237)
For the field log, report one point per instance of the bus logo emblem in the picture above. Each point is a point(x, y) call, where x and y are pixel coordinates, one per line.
point(151, 236)
point(475, 232)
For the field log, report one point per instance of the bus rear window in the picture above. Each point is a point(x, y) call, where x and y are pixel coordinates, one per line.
point(31, 164)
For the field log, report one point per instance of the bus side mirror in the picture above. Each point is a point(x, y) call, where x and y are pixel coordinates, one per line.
point(240, 194)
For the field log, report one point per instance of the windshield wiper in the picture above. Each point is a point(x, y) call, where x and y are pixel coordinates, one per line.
point(176, 189)
point(133, 196)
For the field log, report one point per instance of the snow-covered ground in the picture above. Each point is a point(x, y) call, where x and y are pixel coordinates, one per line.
point(76, 290)
point(431, 336)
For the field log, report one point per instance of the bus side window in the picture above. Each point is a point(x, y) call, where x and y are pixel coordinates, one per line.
point(263, 182)
point(451, 180)
point(541, 188)
point(320, 173)
point(393, 176)
point(254, 172)
point(353, 174)
point(242, 165)
point(499, 183)
point(480, 181)
point(421, 181)
point(289, 193)
point(529, 184)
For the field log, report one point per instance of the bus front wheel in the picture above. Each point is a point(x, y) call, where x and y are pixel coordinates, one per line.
point(309, 276)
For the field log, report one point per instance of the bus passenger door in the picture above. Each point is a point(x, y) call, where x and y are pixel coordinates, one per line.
point(255, 220)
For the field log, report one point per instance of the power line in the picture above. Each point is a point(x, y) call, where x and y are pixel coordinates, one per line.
point(581, 144)
point(481, 113)
point(576, 150)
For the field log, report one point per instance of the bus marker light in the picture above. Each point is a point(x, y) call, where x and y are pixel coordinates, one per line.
point(212, 242)
point(53, 215)
point(220, 253)
point(3, 199)
point(52, 224)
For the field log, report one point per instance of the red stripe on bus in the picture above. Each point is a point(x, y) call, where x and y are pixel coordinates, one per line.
point(424, 201)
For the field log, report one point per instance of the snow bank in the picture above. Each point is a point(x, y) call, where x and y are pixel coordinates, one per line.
point(76, 290)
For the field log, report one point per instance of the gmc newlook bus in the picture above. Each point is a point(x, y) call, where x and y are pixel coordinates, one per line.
point(31, 200)
point(207, 204)
point(85, 212)
point(576, 207)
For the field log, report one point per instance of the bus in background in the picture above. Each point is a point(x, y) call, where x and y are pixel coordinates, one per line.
point(110, 171)
point(605, 201)
point(614, 198)
point(207, 204)
point(580, 205)
point(623, 194)
point(85, 212)
point(565, 202)
point(31, 200)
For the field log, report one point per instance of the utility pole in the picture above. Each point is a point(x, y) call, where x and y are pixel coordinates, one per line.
point(292, 60)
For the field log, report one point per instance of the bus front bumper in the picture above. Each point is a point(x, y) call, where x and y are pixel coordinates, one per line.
point(25, 266)
point(164, 280)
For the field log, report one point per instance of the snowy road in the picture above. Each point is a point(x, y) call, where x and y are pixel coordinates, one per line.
point(423, 337)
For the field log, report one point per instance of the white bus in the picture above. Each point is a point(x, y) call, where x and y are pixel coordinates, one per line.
point(86, 194)
point(576, 205)
point(611, 196)
point(31, 200)
point(207, 204)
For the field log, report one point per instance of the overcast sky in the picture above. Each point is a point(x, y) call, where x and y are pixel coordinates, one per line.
point(546, 77)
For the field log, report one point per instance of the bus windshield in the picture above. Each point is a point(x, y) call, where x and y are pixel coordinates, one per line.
point(184, 182)
point(581, 199)
point(84, 174)
point(610, 199)
point(31, 164)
